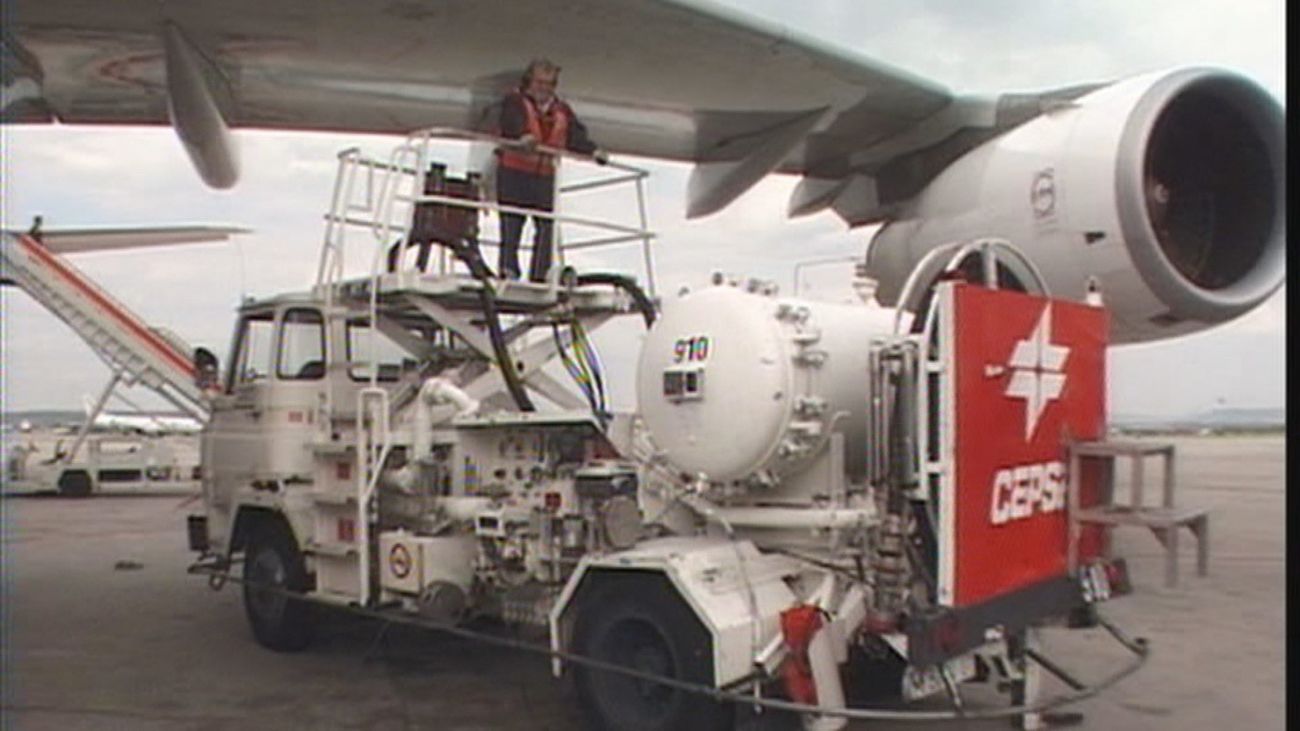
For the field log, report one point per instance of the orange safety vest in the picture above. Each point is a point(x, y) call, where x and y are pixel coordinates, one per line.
point(551, 129)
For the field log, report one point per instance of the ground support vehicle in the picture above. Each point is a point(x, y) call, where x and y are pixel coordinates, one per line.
point(807, 493)
point(113, 463)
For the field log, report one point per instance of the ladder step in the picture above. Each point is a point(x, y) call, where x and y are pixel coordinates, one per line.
point(100, 320)
point(333, 448)
point(330, 549)
point(333, 498)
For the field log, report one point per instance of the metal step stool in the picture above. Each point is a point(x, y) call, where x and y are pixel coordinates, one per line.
point(1163, 521)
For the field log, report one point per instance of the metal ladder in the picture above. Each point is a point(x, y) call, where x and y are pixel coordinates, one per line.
point(372, 195)
point(135, 352)
point(1163, 520)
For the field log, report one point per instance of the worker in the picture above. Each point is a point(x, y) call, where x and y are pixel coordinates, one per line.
point(534, 115)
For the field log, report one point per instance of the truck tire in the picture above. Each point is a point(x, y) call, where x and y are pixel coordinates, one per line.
point(75, 483)
point(273, 565)
point(643, 624)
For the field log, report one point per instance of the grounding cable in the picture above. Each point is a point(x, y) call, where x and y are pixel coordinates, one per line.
point(1138, 646)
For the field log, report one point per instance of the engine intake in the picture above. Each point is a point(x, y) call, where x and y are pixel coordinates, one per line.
point(1201, 190)
point(1166, 190)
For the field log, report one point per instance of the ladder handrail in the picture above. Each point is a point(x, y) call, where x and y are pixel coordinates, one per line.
point(114, 332)
point(388, 211)
point(924, 271)
point(929, 359)
point(374, 441)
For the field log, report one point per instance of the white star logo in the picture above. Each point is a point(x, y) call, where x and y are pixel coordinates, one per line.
point(1038, 368)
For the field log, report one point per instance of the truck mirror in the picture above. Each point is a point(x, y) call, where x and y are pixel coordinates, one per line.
point(206, 370)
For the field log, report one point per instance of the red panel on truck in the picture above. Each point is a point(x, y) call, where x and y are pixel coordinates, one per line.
point(1030, 377)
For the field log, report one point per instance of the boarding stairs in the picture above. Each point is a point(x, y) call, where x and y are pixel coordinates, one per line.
point(134, 351)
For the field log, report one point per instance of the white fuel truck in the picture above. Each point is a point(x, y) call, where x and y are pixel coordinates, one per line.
point(804, 490)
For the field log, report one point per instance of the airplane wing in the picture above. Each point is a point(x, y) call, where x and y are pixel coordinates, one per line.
point(662, 78)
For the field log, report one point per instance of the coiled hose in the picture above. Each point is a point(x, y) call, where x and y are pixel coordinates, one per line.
point(468, 253)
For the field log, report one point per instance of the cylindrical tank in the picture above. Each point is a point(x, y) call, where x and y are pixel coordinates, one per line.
point(736, 384)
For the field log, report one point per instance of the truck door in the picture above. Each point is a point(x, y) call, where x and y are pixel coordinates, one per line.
point(296, 401)
point(231, 455)
point(267, 417)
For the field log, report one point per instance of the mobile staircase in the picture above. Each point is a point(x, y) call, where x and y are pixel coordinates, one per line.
point(134, 351)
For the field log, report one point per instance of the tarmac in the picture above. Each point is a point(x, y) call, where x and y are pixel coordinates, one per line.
point(103, 628)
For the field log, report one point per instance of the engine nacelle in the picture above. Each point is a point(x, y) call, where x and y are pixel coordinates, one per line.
point(1167, 190)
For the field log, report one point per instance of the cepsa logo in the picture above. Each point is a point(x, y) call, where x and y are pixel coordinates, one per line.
point(1019, 492)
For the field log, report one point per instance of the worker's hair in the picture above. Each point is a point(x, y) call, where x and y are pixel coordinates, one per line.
point(544, 65)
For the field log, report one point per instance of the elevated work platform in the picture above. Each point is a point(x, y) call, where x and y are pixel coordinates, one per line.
point(383, 207)
point(463, 292)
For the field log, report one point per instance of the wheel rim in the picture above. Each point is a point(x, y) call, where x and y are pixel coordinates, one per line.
point(638, 645)
point(267, 578)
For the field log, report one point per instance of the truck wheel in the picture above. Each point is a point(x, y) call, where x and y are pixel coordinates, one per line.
point(273, 565)
point(644, 625)
point(75, 483)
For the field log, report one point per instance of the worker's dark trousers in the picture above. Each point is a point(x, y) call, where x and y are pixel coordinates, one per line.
point(515, 188)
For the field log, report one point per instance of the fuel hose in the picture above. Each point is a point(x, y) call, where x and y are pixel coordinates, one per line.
point(218, 574)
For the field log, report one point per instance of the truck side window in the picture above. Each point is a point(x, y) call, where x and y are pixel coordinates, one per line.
point(252, 360)
point(302, 346)
point(388, 354)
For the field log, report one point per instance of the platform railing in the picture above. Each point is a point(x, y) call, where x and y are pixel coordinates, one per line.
point(381, 197)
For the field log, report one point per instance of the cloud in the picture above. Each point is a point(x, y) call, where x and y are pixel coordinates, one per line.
point(1025, 44)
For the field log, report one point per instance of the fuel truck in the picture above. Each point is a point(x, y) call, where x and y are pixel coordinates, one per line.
point(809, 501)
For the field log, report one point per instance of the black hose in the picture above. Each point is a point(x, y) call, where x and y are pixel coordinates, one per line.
point(487, 295)
point(468, 252)
point(627, 284)
point(1138, 647)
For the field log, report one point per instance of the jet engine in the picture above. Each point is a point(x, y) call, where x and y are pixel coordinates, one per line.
point(1165, 192)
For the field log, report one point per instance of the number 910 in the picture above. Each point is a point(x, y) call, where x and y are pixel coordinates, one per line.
point(691, 350)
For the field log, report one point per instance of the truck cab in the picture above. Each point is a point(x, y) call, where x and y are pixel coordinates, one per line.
point(297, 365)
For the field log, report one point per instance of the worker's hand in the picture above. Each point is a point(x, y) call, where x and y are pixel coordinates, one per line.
point(527, 140)
point(601, 157)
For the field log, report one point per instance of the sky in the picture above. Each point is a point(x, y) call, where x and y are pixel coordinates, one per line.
point(118, 176)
